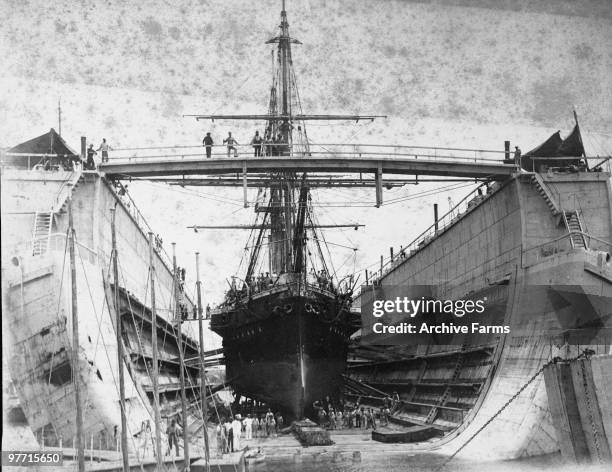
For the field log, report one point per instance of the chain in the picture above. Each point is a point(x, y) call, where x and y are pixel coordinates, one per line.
point(590, 412)
point(554, 360)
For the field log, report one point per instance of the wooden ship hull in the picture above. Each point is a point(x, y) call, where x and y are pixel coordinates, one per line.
point(286, 347)
point(549, 281)
point(36, 309)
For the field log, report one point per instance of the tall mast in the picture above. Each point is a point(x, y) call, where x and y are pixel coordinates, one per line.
point(280, 120)
point(179, 321)
point(284, 51)
point(59, 115)
point(75, 347)
point(202, 363)
point(155, 373)
point(119, 331)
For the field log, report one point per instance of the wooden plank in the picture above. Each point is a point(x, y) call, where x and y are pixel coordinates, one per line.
point(407, 435)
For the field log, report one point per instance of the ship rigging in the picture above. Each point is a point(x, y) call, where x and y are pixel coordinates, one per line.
point(285, 333)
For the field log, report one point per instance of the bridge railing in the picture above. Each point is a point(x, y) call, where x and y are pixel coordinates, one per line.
point(319, 150)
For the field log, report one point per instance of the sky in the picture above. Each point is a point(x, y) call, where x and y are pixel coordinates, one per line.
point(460, 73)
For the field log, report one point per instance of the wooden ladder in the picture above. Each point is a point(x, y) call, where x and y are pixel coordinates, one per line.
point(573, 223)
point(41, 233)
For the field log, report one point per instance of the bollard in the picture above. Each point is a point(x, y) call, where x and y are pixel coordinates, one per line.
point(436, 216)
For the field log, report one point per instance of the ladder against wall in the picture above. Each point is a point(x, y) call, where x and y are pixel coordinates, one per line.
point(41, 233)
point(573, 223)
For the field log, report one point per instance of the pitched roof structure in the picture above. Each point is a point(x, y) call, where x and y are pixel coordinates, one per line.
point(48, 143)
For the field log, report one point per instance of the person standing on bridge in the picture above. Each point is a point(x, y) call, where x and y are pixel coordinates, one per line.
point(231, 144)
point(90, 164)
point(104, 147)
point(256, 142)
point(208, 142)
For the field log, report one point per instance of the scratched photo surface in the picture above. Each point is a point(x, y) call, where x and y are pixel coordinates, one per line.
point(446, 73)
point(464, 73)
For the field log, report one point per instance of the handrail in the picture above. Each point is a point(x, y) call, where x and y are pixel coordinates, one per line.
point(566, 236)
point(401, 146)
point(442, 224)
point(74, 177)
point(568, 158)
point(28, 245)
point(250, 294)
point(143, 224)
point(325, 150)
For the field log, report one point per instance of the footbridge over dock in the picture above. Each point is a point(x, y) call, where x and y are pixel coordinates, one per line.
point(357, 165)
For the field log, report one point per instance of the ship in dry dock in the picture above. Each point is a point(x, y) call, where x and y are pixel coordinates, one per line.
point(534, 241)
point(286, 333)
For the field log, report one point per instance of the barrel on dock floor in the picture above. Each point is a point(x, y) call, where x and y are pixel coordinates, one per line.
point(405, 435)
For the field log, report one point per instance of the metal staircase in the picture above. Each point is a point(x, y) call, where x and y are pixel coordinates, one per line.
point(61, 200)
point(546, 194)
point(570, 218)
point(43, 220)
point(573, 223)
point(41, 233)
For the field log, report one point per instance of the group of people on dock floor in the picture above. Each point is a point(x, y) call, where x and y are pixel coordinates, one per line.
point(345, 416)
point(229, 433)
point(266, 145)
point(174, 434)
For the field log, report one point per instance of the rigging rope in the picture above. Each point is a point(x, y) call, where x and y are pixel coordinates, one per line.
point(106, 350)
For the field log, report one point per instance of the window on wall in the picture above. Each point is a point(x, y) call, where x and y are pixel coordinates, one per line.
point(60, 374)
